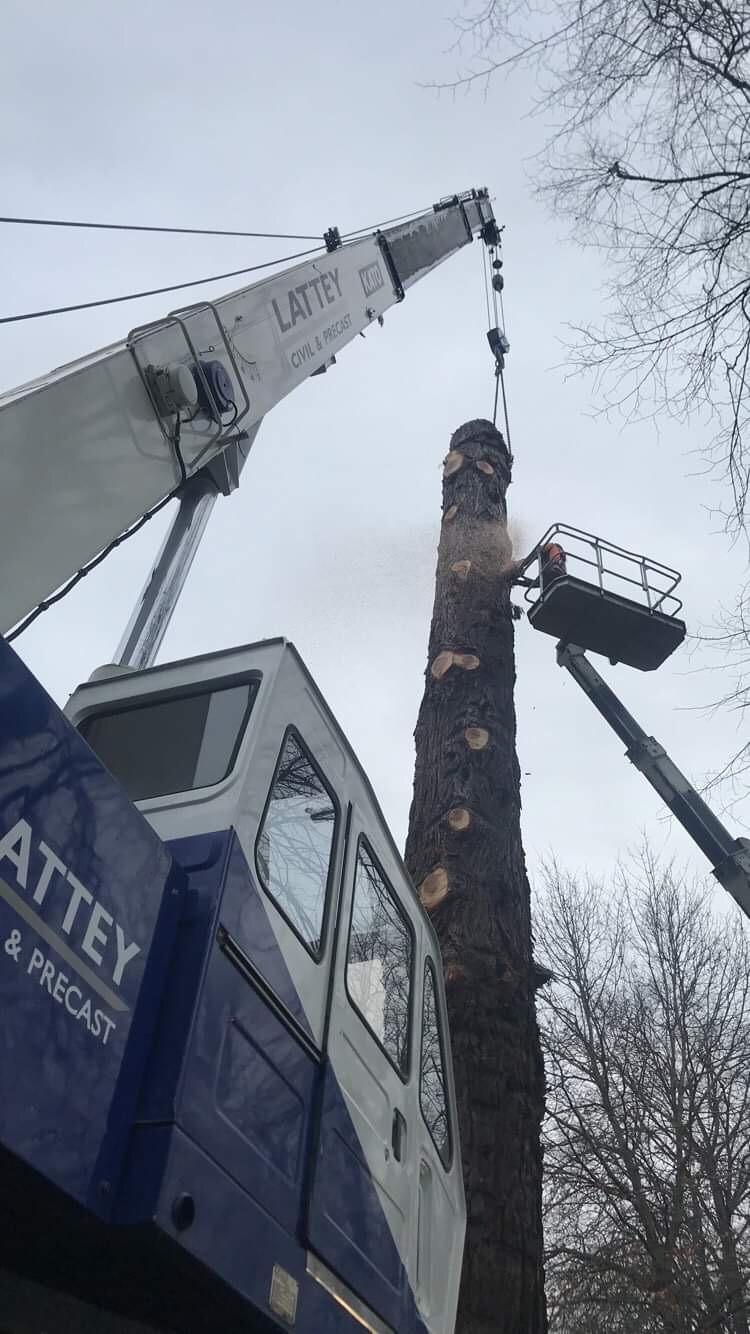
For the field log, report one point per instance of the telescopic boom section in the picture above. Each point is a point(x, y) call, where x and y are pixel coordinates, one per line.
point(729, 856)
point(88, 449)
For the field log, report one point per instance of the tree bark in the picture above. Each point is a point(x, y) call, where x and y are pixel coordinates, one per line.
point(465, 855)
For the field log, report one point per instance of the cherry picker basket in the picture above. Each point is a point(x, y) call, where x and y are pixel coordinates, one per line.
point(586, 591)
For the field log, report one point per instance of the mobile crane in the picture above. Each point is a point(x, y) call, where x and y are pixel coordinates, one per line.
point(226, 1095)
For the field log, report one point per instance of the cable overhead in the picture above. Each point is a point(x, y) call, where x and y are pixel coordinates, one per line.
point(155, 291)
point(177, 287)
point(195, 231)
point(139, 227)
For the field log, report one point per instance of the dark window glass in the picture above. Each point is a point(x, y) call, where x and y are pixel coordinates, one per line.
point(295, 844)
point(432, 1071)
point(378, 966)
point(172, 744)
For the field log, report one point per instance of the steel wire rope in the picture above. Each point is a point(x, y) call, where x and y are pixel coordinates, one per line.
point(174, 287)
point(143, 227)
point(156, 291)
point(500, 375)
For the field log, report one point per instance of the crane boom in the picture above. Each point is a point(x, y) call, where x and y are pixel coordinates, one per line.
point(89, 448)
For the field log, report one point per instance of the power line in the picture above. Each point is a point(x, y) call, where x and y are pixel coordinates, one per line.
point(176, 287)
point(139, 227)
point(154, 291)
point(194, 231)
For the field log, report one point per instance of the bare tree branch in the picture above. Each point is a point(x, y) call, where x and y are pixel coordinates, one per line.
point(647, 1147)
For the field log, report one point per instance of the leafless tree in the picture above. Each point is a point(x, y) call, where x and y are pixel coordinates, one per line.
point(648, 157)
point(646, 1029)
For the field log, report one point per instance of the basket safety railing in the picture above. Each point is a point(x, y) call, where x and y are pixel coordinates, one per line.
point(610, 568)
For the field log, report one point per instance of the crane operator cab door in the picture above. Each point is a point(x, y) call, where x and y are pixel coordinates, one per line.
point(387, 1205)
point(304, 1053)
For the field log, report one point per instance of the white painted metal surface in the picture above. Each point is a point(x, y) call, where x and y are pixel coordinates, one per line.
point(83, 452)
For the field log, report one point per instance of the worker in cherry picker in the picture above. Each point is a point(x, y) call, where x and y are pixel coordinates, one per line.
point(551, 564)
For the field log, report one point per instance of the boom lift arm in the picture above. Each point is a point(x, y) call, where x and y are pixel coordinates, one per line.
point(90, 448)
point(729, 857)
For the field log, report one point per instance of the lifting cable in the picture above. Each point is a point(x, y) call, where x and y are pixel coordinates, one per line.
point(490, 283)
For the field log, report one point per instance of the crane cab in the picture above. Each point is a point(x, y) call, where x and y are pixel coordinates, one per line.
point(604, 598)
point(296, 1127)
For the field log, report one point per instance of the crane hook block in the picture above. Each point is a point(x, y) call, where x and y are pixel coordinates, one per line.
point(499, 345)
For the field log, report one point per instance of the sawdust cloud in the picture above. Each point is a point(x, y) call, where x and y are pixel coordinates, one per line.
point(493, 546)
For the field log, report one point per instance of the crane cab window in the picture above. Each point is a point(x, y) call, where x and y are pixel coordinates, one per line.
point(379, 960)
point(432, 1096)
point(172, 743)
point(294, 850)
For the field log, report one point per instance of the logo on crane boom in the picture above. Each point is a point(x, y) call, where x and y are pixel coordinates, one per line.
point(300, 303)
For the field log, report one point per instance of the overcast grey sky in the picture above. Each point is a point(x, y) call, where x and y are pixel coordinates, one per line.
point(292, 118)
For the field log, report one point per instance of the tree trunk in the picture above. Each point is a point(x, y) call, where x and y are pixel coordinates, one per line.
point(465, 855)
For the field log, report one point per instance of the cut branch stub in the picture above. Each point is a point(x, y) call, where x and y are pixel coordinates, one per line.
point(459, 818)
point(476, 737)
point(434, 888)
point(461, 568)
point(450, 513)
point(484, 467)
point(453, 462)
point(468, 662)
point(442, 663)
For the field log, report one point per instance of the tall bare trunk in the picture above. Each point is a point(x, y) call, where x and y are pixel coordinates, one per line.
point(464, 852)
